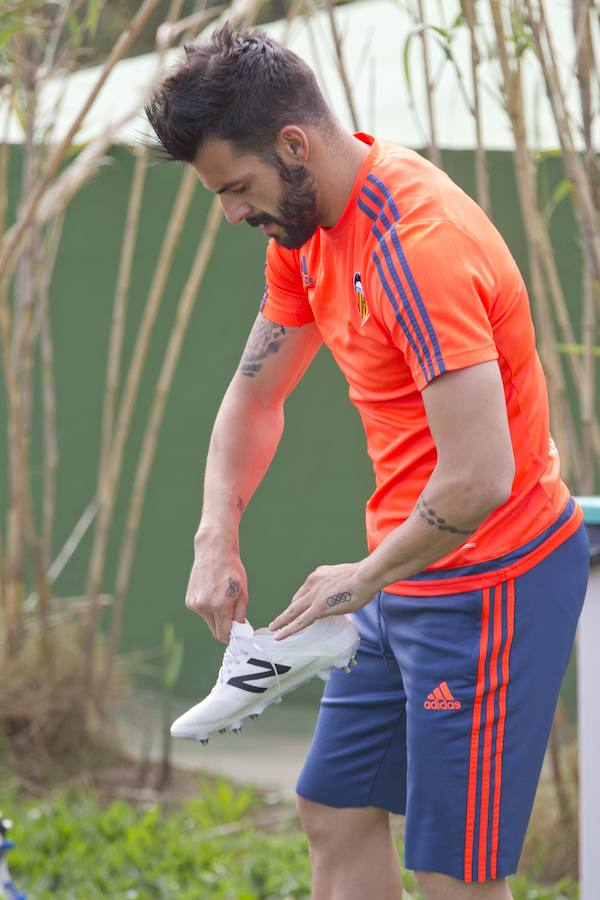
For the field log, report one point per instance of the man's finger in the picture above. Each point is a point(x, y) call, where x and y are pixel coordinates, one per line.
point(302, 621)
point(239, 610)
point(223, 625)
point(295, 608)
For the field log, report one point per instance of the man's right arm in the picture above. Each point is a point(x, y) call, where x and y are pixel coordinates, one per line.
point(245, 436)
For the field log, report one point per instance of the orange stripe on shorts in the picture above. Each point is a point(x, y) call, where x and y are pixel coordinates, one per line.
point(472, 789)
point(510, 628)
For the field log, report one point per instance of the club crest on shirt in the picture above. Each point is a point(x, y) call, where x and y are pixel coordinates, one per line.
point(363, 309)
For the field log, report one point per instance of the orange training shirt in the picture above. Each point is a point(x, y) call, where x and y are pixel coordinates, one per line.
point(414, 281)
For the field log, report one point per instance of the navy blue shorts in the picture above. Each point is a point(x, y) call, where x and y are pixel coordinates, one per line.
point(447, 715)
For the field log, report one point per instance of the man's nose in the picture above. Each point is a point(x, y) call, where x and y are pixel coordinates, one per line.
point(235, 210)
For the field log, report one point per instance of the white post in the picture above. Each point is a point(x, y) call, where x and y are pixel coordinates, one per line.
point(588, 704)
point(588, 717)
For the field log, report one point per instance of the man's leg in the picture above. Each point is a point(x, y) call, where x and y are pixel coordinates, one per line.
point(482, 672)
point(436, 886)
point(352, 853)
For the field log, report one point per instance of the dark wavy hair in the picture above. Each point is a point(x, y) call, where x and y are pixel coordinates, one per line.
point(240, 86)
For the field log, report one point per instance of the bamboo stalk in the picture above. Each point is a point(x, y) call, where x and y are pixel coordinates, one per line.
point(433, 151)
point(310, 10)
point(13, 237)
point(481, 169)
point(4, 165)
point(109, 484)
point(151, 434)
point(73, 541)
point(243, 10)
point(113, 369)
point(50, 463)
point(562, 424)
point(584, 61)
point(341, 65)
point(14, 515)
point(19, 330)
point(583, 205)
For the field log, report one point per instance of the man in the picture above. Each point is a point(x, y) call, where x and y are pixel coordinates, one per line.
point(468, 601)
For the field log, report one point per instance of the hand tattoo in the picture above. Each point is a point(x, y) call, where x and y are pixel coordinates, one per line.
point(233, 588)
point(240, 506)
point(266, 337)
point(432, 518)
point(336, 599)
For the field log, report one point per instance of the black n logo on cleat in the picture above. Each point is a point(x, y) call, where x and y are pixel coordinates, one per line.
point(269, 670)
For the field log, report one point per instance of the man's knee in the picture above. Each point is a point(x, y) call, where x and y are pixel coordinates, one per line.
point(327, 825)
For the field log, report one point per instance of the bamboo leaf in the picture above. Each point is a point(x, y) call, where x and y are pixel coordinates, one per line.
point(562, 190)
point(92, 16)
point(172, 657)
point(75, 31)
point(576, 349)
point(405, 57)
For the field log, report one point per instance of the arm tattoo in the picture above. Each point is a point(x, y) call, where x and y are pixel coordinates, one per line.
point(233, 588)
point(240, 506)
point(432, 518)
point(266, 337)
point(336, 599)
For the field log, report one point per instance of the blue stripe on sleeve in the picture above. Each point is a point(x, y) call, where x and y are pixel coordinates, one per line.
point(387, 194)
point(407, 306)
point(419, 300)
point(397, 312)
point(367, 209)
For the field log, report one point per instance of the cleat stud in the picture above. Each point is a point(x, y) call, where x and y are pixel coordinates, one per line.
point(237, 730)
point(354, 661)
point(254, 716)
point(222, 730)
point(346, 668)
point(204, 741)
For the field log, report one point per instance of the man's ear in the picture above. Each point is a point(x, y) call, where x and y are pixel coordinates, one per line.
point(292, 144)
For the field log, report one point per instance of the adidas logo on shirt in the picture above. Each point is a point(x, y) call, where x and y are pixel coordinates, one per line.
point(441, 698)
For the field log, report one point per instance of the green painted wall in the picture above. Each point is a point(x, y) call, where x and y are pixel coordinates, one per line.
point(309, 510)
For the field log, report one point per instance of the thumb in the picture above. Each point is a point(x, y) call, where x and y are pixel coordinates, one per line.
point(239, 610)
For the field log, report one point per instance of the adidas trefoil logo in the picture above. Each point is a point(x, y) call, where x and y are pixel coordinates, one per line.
point(441, 698)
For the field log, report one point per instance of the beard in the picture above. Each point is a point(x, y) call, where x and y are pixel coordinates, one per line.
point(297, 213)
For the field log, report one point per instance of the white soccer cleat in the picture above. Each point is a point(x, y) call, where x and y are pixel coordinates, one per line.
point(257, 670)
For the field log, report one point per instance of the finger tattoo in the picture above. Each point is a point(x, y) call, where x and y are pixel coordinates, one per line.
point(233, 588)
point(336, 599)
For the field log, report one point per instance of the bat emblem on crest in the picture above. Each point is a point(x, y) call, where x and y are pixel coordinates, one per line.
point(363, 309)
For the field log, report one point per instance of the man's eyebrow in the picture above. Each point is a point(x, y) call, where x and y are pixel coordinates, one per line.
point(229, 185)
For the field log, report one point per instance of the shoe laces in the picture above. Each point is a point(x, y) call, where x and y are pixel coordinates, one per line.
point(236, 652)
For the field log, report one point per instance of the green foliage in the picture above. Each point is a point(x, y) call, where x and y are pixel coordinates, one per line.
point(172, 657)
point(71, 847)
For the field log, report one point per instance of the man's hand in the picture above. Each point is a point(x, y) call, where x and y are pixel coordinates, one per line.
point(329, 591)
point(218, 585)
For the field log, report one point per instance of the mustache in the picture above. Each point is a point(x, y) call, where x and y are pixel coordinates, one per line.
point(262, 219)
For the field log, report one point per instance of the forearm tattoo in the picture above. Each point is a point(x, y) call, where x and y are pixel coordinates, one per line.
point(336, 599)
point(432, 518)
point(265, 338)
point(233, 588)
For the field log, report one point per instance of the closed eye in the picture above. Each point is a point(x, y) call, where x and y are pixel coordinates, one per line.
point(240, 190)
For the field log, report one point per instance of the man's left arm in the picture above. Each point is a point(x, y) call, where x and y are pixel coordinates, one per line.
point(473, 476)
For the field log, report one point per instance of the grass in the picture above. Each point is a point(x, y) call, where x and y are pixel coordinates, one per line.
point(218, 843)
